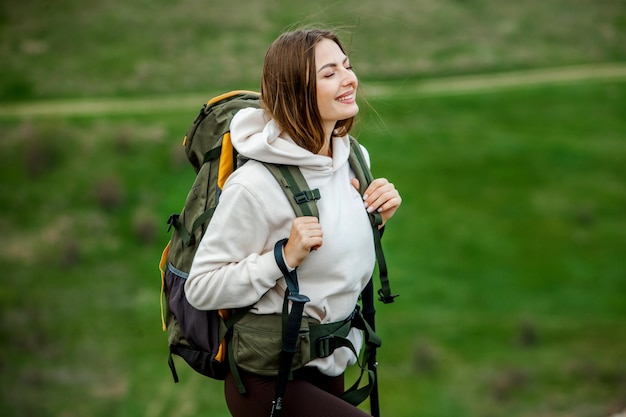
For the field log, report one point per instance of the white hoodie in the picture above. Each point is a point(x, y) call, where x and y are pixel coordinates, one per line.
point(235, 266)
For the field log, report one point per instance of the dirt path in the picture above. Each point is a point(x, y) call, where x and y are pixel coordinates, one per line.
point(445, 86)
point(476, 84)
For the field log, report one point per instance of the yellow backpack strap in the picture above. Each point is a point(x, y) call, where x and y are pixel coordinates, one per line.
point(228, 95)
point(162, 266)
point(226, 161)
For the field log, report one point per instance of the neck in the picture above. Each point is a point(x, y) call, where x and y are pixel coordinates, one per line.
point(327, 149)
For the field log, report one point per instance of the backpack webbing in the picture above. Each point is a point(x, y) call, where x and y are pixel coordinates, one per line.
point(294, 185)
point(363, 174)
point(292, 320)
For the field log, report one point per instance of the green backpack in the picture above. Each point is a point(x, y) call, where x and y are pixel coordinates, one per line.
point(200, 337)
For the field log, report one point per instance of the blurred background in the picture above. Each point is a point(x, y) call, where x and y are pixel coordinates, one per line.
point(501, 123)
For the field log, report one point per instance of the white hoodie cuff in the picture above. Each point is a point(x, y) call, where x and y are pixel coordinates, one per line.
point(268, 265)
point(286, 264)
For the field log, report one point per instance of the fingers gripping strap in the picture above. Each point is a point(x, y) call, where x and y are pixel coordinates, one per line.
point(363, 174)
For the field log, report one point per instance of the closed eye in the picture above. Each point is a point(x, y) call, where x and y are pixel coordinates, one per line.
point(331, 74)
point(332, 65)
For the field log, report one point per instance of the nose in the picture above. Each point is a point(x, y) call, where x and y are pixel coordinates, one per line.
point(349, 78)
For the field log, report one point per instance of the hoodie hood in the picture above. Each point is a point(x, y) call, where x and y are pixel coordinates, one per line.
point(256, 136)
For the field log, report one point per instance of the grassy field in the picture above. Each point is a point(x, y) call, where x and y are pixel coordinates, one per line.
point(68, 49)
point(507, 252)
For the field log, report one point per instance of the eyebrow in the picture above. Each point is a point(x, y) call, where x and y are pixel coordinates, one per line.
point(332, 64)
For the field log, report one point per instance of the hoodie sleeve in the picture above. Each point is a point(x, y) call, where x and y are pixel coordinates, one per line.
point(233, 266)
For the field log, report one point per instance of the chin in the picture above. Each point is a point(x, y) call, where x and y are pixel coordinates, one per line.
point(348, 113)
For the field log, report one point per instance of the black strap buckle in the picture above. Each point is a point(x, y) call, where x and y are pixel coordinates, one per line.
point(307, 195)
point(325, 346)
point(298, 298)
point(172, 220)
point(387, 299)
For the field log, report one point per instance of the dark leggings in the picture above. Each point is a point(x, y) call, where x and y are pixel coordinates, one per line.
point(309, 394)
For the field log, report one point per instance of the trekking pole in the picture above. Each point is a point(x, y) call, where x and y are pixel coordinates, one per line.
point(369, 313)
point(291, 328)
point(290, 338)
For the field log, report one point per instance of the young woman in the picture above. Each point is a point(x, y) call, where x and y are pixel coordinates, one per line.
point(308, 96)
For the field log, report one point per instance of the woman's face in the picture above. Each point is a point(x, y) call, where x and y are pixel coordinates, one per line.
point(336, 85)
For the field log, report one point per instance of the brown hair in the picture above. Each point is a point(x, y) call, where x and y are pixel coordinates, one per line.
point(289, 87)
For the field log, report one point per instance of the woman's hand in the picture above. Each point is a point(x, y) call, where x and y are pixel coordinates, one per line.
point(305, 236)
point(382, 196)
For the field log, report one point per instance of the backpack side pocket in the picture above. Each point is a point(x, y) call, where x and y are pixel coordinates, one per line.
point(193, 334)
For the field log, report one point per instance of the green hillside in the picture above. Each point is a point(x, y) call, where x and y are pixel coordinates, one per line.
point(507, 251)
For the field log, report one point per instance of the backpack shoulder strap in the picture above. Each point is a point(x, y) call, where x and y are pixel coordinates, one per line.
point(355, 394)
point(359, 165)
point(304, 203)
point(364, 175)
point(302, 199)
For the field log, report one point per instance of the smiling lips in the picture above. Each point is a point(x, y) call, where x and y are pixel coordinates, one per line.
point(347, 97)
